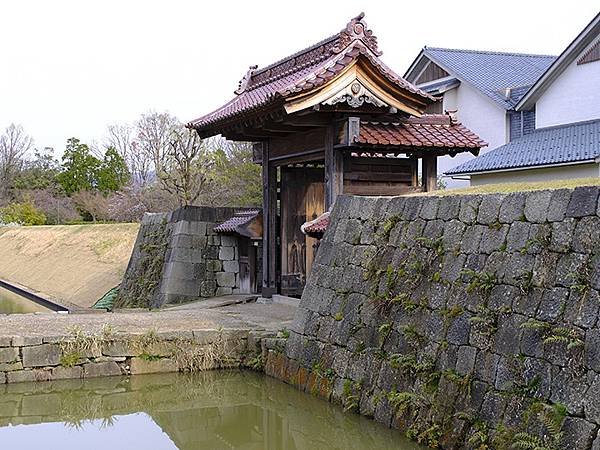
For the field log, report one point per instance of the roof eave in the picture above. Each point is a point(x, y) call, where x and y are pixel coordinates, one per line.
point(583, 39)
point(414, 64)
point(519, 168)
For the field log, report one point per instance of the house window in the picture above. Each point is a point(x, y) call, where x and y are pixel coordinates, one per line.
point(521, 123)
point(431, 72)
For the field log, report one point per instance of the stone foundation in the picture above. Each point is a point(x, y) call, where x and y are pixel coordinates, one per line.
point(465, 321)
point(34, 358)
point(178, 257)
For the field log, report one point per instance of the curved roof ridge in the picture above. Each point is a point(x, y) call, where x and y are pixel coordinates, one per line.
point(298, 53)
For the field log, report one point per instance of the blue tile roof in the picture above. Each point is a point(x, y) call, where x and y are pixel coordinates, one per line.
point(492, 72)
point(553, 145)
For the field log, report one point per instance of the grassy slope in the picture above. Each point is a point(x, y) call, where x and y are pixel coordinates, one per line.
point(70, 263)
point(516, 187)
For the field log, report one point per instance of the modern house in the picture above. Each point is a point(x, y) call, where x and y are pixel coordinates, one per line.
point(327, 120)
point(540, 114)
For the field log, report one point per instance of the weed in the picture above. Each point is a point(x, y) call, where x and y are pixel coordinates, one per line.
point(485, 321)
point(555, 335)
point(351, 395)
point(480, 439)
point(389, 225)
point(495, 225)
point(534, 324)
point(581, 281)
point(257, 363)
point(401, 401)
point(526, 282)
point(410, 365)
point(437, 245)
point(412, 335)
point(70, 359)
point(565, 336)
point(384, 331)
point(148, 357)
point(552, 417)
point(284, 333)
point(482, 282)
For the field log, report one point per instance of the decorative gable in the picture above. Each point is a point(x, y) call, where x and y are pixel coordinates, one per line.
point(431, 72)
point(593, 54)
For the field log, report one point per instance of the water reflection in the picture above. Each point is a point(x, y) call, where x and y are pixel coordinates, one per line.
point(11, 303)
point(214, 410)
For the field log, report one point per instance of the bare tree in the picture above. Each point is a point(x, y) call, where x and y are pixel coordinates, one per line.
point(184, 168)
point(154, 135)
point(123, 138)
point(92, 203)
point(14, 145)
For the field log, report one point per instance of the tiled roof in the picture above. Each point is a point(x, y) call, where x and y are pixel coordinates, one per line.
point(493, 72)
point(303, 71)
point(434, 130)
point(317, 227)
point(554, 145)
point(240, 218)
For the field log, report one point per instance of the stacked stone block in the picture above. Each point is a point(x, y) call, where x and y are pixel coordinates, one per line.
point(457, 318)
point(178, 258)
point(46, 358)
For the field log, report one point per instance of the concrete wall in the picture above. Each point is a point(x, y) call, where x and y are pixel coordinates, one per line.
point(533, 175)
point(178, 257)
point(457, 317)
point(573, 97)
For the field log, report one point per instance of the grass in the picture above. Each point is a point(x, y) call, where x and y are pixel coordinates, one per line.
point(506, 188)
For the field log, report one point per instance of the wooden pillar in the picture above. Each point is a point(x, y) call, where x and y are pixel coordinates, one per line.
point(334, 169)
point(269, 178)
point(429, 173)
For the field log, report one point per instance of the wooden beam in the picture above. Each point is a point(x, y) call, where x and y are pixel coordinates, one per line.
point(429, 173)
point(269, 176)
point(334, 169)
point(298, 158)
point(280, 128)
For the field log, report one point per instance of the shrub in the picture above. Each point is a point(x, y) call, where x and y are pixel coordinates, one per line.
point(24, 213)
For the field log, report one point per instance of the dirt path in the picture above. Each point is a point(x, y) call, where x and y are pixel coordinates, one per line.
point(73, 264)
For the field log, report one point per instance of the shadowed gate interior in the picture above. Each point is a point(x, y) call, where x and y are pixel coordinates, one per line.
point(302, 199)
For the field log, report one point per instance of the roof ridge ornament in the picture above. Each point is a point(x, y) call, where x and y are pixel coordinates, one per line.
point(243, 84)
point(356, 30)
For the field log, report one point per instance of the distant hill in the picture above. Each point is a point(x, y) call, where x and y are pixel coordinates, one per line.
point(73, 264)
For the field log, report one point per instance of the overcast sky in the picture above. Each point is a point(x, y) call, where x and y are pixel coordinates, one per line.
point(70, 68)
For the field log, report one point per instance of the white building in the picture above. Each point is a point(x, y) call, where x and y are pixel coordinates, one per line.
point(539, 114)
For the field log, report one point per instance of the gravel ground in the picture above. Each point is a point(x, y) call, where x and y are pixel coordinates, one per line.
point(254, 316)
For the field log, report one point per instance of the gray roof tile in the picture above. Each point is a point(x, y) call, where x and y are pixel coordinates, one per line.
point(492, 72)
point(553, 145)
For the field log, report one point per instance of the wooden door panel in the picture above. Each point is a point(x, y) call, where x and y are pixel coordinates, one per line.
point(302, 199)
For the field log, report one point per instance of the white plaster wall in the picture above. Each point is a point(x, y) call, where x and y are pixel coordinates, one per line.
point(573, 97)
point(533, 175)
point(482, 116)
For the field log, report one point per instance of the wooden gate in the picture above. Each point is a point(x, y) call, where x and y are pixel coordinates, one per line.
point(302, 199)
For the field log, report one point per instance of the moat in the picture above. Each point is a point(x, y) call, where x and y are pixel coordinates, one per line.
point(11, 303)
point(216, 410)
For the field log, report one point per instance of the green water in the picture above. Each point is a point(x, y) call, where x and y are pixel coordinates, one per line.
point(11, 303)
point(211, 410)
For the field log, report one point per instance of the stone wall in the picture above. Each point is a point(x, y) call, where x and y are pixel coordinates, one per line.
point(78, 355)
point(465, 321)
point(177, 258)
